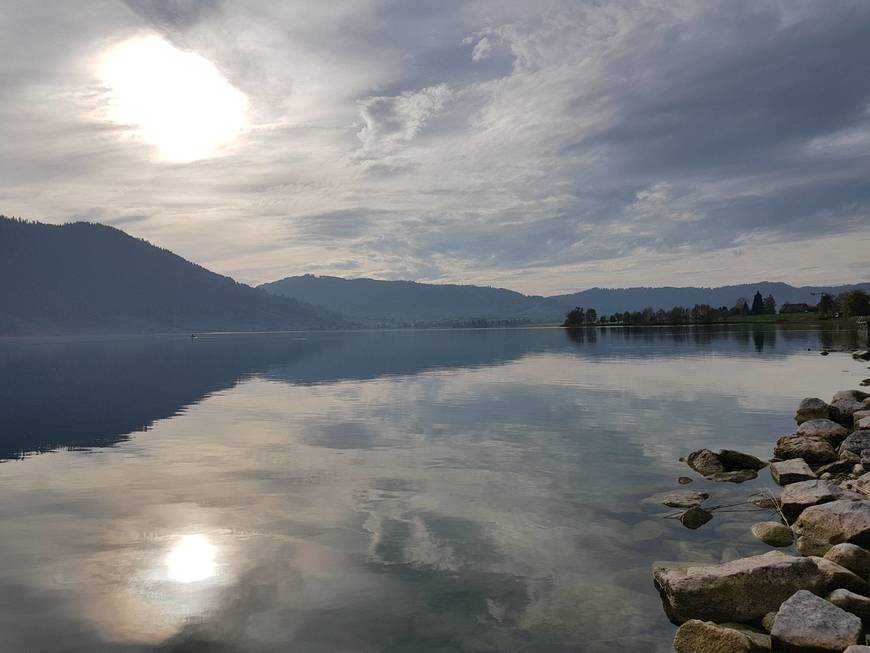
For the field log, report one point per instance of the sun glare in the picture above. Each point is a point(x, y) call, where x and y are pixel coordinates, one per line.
point(177, 100)
point(191, 559)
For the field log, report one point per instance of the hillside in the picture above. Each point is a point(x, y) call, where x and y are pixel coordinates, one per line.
point(90, 278)
point(409, 302)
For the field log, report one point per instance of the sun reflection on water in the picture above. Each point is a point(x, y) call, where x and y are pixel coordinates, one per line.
point(192, 559)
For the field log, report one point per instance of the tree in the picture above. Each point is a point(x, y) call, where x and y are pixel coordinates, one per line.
point(757, 304)
point(742, 306)
point(591, 316)
point(575, 318)
point(770, 305)
point(854, 302)
point(827, 304)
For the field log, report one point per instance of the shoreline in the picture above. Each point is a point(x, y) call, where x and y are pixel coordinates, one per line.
point(814, 598)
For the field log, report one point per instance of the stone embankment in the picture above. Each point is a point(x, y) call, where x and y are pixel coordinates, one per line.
point(814, 599)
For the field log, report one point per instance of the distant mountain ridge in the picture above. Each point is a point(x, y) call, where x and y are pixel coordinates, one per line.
point(90, 278)
point(409, 302)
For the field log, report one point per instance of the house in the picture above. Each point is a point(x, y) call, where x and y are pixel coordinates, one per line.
point(798, 308)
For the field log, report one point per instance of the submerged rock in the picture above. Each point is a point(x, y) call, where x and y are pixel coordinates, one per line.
point(696, 636)
point(824, 428)
point(852, 557)
point(684, 480)
point(745, 590)
point(738, 476)
point(695, 517)
point(820, 527)
point(808, 623)
point(791, 471)
point(796, 497)
point(812, 408)
point(765, 502)
point(680, 498)
point(814, 450)
point(737, 460)
point(773, 533)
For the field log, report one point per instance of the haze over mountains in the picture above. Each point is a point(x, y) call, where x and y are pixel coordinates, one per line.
point(83, 278)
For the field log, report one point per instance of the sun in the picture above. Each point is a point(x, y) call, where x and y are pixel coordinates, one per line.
point(177, 100)
point(191, 559)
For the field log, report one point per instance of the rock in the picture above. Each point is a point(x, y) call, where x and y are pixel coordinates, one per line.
point(705, 462)
point(842, 466)
point(791, 471)
point(798, 496)
point(680, 498)
point(862, 355)
point(696, 636)
point(806, 623)
point(812, 408)
point(824, 352)
point(851, 557)
point(815, 451)
point(825, 429)
point(852, 395)
point(851, 602)
point(737, 460)
point(820, 527)
point(864, 383)
point(765, 502)
point(863, 423)
point(826, 476)
point(684, 480)
point(695, 517)
point(857, 648)
point(738, 476)
point(855, 443)
point(843, 409)
point(773, 533)
point(858, 415)
point(767, 621)
point(745, 590)
point(758, 637)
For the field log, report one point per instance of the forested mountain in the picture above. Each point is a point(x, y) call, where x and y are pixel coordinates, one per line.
point(90, 278)
point(409, 302)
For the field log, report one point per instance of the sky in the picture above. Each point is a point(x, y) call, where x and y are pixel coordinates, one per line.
point(541, 146)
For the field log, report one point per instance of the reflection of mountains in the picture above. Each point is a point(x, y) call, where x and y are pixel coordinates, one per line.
point(85, 393)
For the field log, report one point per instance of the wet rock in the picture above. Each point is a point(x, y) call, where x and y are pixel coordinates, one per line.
point(758, 637)
point(705, 462)
point(684, 480)
point(851, 602)
point(824, 428)
point(738, 476)
point(773, 533)
point(745, 590)
point(791, 471)
point(862, 355)
point(737, 461)
point(806, 623)
point(824, 352)
point(812, 408)
point(696, 636)
point(852, 557)
point(680, 498)
point(843, 409)
point(798, 496)
point(842, 466)
point(820, 527)
point(853, 395)
point(764, 502)
point(864, 383)
point(855, 443)
point(815, 451)
point(695, 517)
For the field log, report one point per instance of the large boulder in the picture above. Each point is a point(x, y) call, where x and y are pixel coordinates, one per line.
point(852, 557)
point(820, 527)
point(773, 533)
point(814, 450)
point(824, 428)
point(806, 623)
point(745, 590)
point(856, 442)
point(851, 602)
point(852, 395)
point(843, 409)
point(705, 462)
point(786, 472)
point(812, 408)
point(798, 496)
point(727, 465)
point(696, 636)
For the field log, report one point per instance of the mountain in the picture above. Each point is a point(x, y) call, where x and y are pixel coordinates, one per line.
point(612, 300)
point(90, 278)
point(408, 302)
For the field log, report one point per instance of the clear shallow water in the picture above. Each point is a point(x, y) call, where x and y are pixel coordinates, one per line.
point(367, 492)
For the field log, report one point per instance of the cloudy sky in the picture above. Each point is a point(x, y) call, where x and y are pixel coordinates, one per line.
point(542, 146)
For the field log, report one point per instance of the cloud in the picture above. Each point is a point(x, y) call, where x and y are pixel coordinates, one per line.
point(391, 121)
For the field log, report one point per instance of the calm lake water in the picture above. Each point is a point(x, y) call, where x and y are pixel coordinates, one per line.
point(373, 492)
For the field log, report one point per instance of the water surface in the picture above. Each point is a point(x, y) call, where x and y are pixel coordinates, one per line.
point(430, 491)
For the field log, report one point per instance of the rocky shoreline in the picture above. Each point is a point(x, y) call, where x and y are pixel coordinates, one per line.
point(814, 601)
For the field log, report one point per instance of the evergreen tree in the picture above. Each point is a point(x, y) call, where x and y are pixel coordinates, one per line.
point(770, 305)
point(757, 304)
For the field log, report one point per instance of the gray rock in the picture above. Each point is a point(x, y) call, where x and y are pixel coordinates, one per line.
point(863, 423)
point(680, 498)
point(767, 621)
point(842, 466)
point(859, 415)
point(815, 451)
point(773, 533)
point(843, 409)
point(851, 602)
point(745, 590)
point(764, 501)
point(806, 623)
point(812, 408)
point(738, 476)
point(758, 637)
point(705, 462)
point(696, 636)
point(852, 395)
point(825, 429)
point(791, 471)
point(695, 517)
point(855, 443)
point(798, 496)
point(737, 460)
point(857, 648)
point(852, 557)
point(820, 527)
point(684, 480)
point(727, 465)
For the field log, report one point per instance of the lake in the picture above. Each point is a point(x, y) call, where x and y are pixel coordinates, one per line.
point(406, 491)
